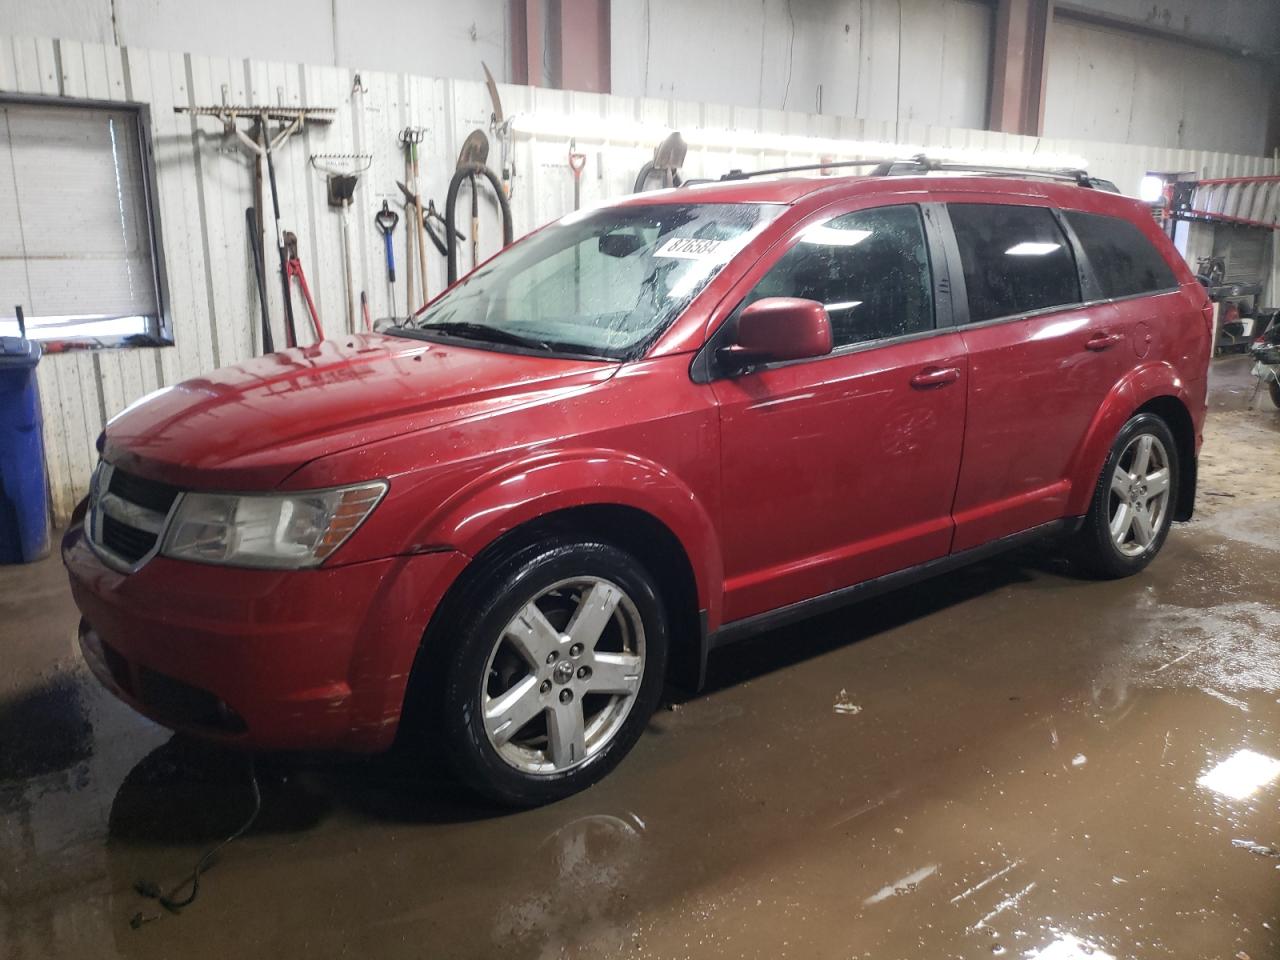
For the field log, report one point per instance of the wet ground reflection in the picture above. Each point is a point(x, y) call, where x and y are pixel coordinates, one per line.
point(1038, 767)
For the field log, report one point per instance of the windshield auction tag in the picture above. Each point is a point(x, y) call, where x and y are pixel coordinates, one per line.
point(693, 248)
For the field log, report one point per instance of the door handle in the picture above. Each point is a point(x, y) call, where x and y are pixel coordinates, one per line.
point(931, 377)
point(1103, 341)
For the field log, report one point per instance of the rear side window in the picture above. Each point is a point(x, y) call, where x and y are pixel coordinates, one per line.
point(1124, 261)
point(870, 269)
point(1015, 259)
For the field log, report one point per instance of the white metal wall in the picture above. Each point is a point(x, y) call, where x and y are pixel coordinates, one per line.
point(1128, 88)
point(205, 184)
point(925, 60)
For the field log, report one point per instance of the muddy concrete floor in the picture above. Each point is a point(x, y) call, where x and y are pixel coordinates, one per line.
point(1005, 761)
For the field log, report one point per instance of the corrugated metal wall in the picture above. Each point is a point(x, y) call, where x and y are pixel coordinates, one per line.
point(204, 184)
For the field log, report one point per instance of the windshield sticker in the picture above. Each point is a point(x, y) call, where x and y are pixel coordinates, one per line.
point(694, 248)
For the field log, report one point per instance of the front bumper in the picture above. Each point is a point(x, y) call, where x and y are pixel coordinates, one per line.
point(278, 660)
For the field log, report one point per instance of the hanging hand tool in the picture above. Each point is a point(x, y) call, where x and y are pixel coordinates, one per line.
point(343, 174)
point(341, 189)
point(386, 220)
point(577, 162)
point(471, 164)
point(439, 240)
point(255, 232)
point(290, 329)
point(668, 158)
point(501, 128)
point(364, 310)
point(410, 137)
point(261, 146)
point(293, 268)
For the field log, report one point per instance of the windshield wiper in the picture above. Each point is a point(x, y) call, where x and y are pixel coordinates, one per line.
point(481, 331)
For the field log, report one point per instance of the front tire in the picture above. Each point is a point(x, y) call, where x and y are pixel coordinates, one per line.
point(1133, 503)
point(558, 662)
point(1274, 389)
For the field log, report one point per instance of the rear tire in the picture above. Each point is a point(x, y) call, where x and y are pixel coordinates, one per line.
point(1133, 503)
point(556, 661)
point(1274, 389)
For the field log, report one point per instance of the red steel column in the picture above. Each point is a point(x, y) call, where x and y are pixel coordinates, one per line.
point(1018, 66)
point(584, 45)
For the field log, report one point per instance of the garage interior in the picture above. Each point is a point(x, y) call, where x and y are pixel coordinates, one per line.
point(1008, 759)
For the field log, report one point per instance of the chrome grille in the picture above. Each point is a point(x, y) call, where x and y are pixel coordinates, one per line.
point(127, 516)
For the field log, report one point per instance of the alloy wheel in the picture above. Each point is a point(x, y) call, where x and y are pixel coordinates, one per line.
point(563, 675)
point(1139, 494)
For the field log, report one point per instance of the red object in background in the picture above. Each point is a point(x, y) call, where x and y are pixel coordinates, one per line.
point(780, 485)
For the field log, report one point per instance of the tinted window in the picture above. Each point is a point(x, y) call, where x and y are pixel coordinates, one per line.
point(1124, 261)
point(870, 269)
point(1016, 259)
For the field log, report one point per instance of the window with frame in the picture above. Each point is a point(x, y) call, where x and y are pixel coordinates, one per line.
point(1124, 261)
point(1016, 260)
point(870, 269)
point(78, 242)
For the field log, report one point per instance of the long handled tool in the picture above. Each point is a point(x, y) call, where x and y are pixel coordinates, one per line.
point(501, 127)
point(471, 169)
point(290, 330)
point(255, 232)
point(261, 146)
point(577, 163)
point(410, 137)
point(386, 220)
point(293, 268)
point(343, 174)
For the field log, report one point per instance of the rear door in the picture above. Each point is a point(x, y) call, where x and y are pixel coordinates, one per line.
point(842, 468)
point(1041, 361)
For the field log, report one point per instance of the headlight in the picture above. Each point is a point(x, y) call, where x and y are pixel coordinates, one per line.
point(278, 530)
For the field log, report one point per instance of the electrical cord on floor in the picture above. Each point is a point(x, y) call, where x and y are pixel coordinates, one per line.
point(151, 889)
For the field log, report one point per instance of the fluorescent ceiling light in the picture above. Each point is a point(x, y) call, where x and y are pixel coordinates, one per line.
point(1241, 775)
point(832, 237)
point(843, 305)
point(1029, 248)
point(619, 130)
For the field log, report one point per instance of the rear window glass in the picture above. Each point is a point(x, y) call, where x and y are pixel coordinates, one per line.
point(1016, 260)
point(1124, 261)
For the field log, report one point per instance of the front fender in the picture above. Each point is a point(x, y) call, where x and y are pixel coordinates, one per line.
point(520, 492)
point(1137, 388)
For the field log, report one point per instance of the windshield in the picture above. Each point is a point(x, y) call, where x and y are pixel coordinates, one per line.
point(604, 283)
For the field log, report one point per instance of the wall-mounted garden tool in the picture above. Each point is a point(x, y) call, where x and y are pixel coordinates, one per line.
point(577, 163)
point(471, 164)
point(410, 137)
point(261, 145)
point(293, 268)
point(436, 229)
point(343, 173)
point(253, 231)
point(385, 220)
point(664, 169)
point(501, 128)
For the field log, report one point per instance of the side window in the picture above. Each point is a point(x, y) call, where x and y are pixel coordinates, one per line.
point(870, 269)
point(1015, 259)
point(1124, 261)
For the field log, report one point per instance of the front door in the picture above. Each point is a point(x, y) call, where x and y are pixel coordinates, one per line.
point(843, 468)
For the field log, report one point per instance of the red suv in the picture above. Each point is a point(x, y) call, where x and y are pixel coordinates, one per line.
point(636, 435)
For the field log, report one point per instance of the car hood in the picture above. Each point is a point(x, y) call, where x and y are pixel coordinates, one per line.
point(249, 426)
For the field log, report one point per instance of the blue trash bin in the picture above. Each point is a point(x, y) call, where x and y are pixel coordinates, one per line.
point(24, 497)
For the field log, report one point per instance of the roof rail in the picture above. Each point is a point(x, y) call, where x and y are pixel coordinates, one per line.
point(920, 163)
point(746, 174)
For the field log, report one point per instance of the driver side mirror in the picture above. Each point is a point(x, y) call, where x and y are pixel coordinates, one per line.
point(776, 329)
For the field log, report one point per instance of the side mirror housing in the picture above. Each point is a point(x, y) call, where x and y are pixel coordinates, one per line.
point(776, 329)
